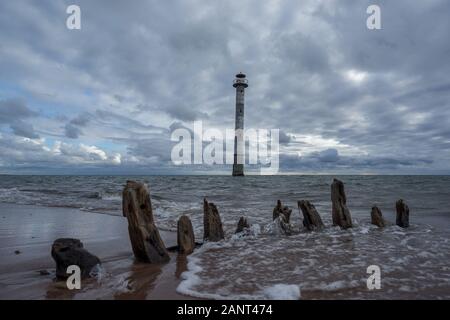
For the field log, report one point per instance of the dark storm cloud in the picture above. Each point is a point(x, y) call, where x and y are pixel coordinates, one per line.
point(328, 155)
point(14, 109)
point(72, 129)
point(344, 97)
point(330, 160)
point(284, 137)
point(23, 129)
point(13, 113)
point(184, 113)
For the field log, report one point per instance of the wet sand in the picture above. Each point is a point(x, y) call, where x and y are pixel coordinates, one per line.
point(31, 231)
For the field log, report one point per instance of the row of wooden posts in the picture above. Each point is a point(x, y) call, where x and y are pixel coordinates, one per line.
point(148, 246)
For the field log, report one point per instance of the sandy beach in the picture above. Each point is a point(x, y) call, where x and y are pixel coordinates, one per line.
point(31, 231)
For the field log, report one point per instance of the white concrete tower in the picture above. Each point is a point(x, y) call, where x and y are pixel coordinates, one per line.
point(240, 83)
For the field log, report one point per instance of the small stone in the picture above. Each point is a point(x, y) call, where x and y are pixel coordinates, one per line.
point(17, 252)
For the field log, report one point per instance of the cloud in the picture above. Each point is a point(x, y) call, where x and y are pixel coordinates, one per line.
point(23, 130)
point(13, 112)
point(184, 113)
point(328, 155)
point(345, 98)
point(37, 153)
point(329, 161)
point(284, 137)
point(81, 120)
point(72, 131)
point(14, 109)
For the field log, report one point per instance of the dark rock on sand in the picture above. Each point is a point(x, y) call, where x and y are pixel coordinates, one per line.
point(377, 217)
point(279, 209)
point(402, 214)
point(212, 225)
point(144, 235)
point(340, 213)
point(17, 252)
point(311, 218)
point(67, 252)
point(242, 225)
point(185, 235)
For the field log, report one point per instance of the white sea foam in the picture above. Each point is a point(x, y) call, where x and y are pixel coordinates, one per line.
point(332, 262)
point(110, 196)
point(283, 292)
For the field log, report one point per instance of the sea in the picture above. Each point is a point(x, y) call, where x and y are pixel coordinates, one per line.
point(264, 263)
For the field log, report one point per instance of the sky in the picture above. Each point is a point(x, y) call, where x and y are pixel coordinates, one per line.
point(105, 99)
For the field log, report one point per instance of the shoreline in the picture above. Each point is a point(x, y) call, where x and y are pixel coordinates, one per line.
point(32, 229)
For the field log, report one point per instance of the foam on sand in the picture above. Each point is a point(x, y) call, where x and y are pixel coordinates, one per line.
point(283, 292)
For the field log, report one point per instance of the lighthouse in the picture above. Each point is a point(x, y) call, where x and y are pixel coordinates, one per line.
point(240, 83)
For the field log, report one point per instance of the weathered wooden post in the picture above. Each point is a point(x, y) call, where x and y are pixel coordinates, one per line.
point(311, 218)
point(185, 235)
point(340, 213)
point(242, 225)
point(144, 235)
point(402, 209)
point(284, 210)
point(377, 217)
point(281, 216)
point(211, 222)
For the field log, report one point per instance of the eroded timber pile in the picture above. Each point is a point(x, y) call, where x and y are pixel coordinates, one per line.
point(212, 225)
point(311, 218)
point(144, 235)
point(185, 235)
point(340, 213)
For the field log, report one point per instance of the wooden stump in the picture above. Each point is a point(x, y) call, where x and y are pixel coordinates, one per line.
point(311, 218)
point(281, 217)
point(242, 225)
point(211, 222)
point(340, 213)
point(402, 219)
point(279, 209)
point(377, 217)
point(185, 235)
point(144, 235)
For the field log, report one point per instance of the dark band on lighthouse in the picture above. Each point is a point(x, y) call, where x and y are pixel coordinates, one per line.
point(240, 83)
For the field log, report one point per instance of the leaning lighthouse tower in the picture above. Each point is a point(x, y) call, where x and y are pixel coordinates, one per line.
point(240, 83)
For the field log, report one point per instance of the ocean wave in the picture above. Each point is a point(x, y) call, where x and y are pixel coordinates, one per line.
point(328, 264)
